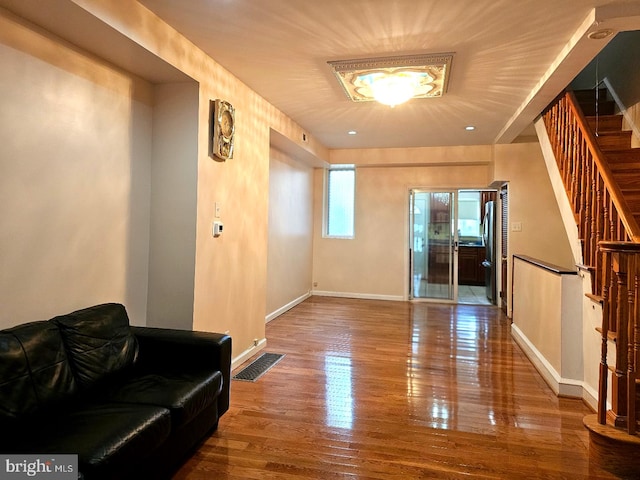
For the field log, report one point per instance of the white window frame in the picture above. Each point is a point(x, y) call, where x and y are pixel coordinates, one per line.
point(325, 229)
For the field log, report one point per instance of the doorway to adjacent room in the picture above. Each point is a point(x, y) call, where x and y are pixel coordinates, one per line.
point(452, 246)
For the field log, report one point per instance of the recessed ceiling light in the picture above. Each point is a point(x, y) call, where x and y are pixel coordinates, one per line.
point(469, 128)
point(600, 34)
point(352, 132)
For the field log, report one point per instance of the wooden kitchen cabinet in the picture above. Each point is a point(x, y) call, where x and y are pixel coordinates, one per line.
point(439, 262)
point(470, 269)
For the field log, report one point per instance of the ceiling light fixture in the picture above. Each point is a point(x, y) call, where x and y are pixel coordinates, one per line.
point(393, 88)
point(394, 80)
point(469, 128)
point(352, 132)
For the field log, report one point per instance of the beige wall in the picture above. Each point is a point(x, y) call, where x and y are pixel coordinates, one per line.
point(174, 177)
point(632, 122)
point(537, 308)
point(375, 263)
point(290, 249)
point(231, 271)
point(74, 182)
point(532, 204)
point(547, 321)
point(93, 194)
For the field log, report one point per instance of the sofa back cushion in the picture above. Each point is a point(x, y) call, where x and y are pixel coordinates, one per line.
point(99, 342)
point(34, 371)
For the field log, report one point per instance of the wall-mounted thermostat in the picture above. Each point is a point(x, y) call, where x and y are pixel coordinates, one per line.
point(217, 228)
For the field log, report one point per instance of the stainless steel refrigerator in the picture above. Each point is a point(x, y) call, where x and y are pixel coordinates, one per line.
point(488, 236)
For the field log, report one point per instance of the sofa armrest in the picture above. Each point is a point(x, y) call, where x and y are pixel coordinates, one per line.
point(169, 349)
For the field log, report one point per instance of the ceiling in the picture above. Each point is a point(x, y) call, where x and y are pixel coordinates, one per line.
point(280, 48)
point(511, 57)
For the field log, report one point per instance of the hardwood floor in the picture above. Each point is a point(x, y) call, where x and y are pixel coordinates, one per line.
point(386, 390)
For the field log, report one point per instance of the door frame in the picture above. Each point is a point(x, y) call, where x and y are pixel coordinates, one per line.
point(409, 254)
point(453, 265)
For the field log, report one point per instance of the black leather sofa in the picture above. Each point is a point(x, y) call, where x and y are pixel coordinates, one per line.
point(131, 402)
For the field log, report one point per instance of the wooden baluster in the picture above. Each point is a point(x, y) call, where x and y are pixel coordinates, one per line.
point(583, 212)
point(572, 128)
point(604, 368)
point(595, 213)
point(555, 120)
point(597, 229)
point(619, 404)
point(581, 173)
point(586, 231)
point(636, 339)
point(631, 343)
point(613, 295)
point(577, 159)
point(605, 215)
point(574, 161)
point(566, 138)
point(575, 180)
point(560, 118)
point(581, 186)
point(581, 167)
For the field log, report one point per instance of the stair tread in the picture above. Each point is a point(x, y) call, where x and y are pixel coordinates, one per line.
point(623, 158)
point(605, 123)
point(614, 133)
point(623, 154)
point(605, 107)
point(595, 298)
point(624, 172)
point(613, 336)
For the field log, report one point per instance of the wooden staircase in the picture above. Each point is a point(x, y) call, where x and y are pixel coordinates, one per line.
point(624, 163)
point(601, 175)
point(615, 144)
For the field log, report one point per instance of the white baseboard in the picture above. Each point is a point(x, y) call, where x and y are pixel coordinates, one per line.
point(288, 306)
point(248, 353)
point(590, 397)
point(363, 296)
point(565, 387)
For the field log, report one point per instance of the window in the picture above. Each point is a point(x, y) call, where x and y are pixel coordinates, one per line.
point(469, 223)
point(340, 202)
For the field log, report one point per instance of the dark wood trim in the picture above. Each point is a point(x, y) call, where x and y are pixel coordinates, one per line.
point(546, 265)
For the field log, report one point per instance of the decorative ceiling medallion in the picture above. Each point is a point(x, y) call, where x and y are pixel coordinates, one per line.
point(426, 75)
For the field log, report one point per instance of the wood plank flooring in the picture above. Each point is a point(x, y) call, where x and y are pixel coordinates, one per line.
point(395, 390)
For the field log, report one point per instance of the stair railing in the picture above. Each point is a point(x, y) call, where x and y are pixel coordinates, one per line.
point(610, 247)
point(622, 262)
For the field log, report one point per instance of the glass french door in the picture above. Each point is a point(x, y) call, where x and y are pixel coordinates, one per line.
point(433, 244)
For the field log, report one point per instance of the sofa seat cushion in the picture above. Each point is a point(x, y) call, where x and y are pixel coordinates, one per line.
point(185, 394)
point(104, 436)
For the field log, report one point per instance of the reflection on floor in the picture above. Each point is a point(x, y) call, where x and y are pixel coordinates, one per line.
point(372, 389)
point(467, 294)
point(473, 295)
